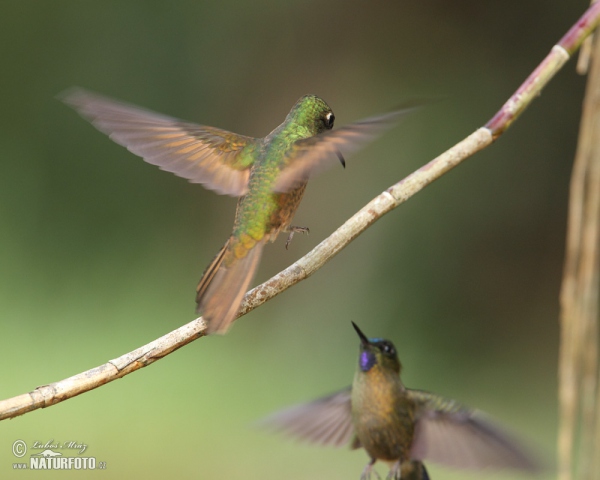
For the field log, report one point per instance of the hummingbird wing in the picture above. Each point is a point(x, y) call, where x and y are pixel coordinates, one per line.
point(311, 155)
point(452, 435)
point(219, 159)
point(326, 421)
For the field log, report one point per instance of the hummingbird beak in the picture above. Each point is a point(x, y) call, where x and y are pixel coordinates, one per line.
point(363, 338)
point(342, 159)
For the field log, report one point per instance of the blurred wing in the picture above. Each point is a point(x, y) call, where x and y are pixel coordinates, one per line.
point(310, 155)
point(217, 158)
point(450, 434)
point(326, 421)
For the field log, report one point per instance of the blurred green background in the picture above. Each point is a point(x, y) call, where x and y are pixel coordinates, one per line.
point(100, 252)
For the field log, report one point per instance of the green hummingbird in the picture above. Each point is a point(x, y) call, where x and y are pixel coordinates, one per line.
point(401, 426)
point(268, 175)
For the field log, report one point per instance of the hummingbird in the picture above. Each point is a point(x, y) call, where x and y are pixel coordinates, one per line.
point(400, 426)
point(269, 175)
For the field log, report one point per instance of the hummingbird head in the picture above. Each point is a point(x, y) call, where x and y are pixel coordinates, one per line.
point(312, 113)
point(376, 352)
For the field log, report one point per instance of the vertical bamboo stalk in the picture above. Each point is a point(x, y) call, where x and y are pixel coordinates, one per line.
point(578, 362)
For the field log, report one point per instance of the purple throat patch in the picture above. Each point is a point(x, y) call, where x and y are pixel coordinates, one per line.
point(366, 360)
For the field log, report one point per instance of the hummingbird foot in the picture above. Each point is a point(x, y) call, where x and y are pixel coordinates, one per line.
point(366, 474)
point(293, 230)
point(395, 472)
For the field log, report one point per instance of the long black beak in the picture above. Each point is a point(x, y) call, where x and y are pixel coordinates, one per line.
point(341, 158)
point(363, 338)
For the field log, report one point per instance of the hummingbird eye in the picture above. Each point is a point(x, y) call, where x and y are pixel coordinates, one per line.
point(329, 119)
point(388, 349)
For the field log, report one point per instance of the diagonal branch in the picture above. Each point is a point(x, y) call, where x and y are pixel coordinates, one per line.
point(397, 194)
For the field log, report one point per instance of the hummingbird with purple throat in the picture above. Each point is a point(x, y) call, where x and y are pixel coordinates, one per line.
point(400, 426)
point(269, 175)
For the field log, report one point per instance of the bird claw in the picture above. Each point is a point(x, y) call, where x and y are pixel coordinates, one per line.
point(293, 230)
point(366, 474)
point(395, 472)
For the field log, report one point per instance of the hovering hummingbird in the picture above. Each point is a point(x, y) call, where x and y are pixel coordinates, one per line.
point(398, 425)
point(268, 175)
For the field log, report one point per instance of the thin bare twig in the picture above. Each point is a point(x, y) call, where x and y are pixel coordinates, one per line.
point(585, 54)
point(397, 194)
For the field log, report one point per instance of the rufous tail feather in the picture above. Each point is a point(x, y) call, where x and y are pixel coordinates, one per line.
point(222, 288)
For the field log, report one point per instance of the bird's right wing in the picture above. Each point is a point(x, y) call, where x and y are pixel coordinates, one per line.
point(452, 435)
point(219, 159)
point(326, 421)
point(313, 154)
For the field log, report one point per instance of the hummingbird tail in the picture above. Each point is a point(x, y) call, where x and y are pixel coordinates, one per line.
point(222, 288)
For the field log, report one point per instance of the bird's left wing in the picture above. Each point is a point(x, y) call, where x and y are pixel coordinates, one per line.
point(326, 421)
point(452, 435)
point(310, 155)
